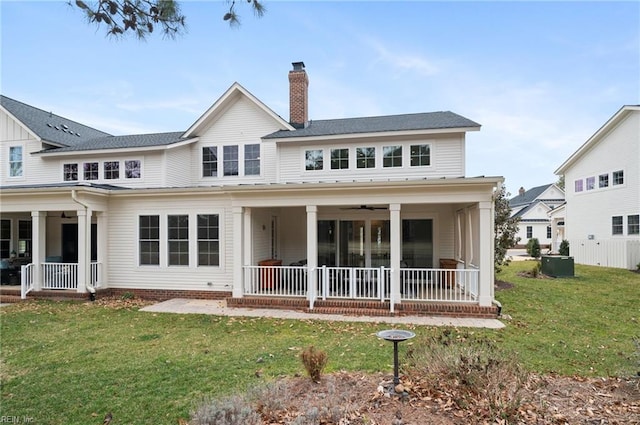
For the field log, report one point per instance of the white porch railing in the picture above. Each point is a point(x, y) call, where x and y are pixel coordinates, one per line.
point(26, 280)
point(288, 281)
point(440, 285)
point(445, 285)
point(57, 276)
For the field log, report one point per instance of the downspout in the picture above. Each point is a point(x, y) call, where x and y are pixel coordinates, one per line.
point(87, 284)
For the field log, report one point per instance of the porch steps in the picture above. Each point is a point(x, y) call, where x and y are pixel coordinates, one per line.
point(367, 308)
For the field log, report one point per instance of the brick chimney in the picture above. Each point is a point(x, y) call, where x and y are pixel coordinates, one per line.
point(298, 96)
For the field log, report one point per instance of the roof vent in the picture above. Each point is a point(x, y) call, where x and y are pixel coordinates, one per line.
point(65, 127)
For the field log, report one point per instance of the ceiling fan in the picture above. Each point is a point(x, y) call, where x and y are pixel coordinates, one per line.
point(364, 207)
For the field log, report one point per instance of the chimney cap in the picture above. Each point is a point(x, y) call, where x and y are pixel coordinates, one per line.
point(298, 66)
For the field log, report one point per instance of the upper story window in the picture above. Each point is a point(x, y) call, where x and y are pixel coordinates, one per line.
point(366, 157)
point(230, 160)
point(149, 239)
point(591, 183)
point(16, 168)
point(578, 185)
point(633, 224)
point(90, 170)
point(618, 177)
point(420, 155)
point(112, 170)
point(616, 225)
point(392, 156)
point(252, 160)
point(209, 161)
point(313, 159)
point(132, 169)
point(603, 181)
point(70, 172)
point(529, 232)
point(339, 159)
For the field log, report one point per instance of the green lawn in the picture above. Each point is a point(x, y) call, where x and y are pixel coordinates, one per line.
point(70, 363)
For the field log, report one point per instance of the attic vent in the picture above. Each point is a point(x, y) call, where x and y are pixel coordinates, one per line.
point(49, 125)
point(56, 127)
point(65, 127)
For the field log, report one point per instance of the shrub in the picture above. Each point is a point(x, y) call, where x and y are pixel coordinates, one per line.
point(228, 411)
point(533, 248)
point(473, 371)
point(314, 362)
point(536, 270)
point(564, 248)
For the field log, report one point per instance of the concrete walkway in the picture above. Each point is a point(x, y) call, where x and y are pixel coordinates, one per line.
point(219, 308)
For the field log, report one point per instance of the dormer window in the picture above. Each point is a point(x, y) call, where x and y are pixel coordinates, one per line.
point(132, 169)
point(366, 157)
point(90, 170)
point(420, 155)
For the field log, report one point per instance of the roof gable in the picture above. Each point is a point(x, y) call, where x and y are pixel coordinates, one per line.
point(231, 95)
point(598, 136)
point(47, 126)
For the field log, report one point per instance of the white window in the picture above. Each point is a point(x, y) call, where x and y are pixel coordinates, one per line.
point(392, 156)
point(591, 183)
point(578, 185)
point(339, 159)
point(111, 170)
point(618, 177)
point(90, 170)
point(420, 155)
point(132, 169)
point(230, 160)
point(616, 225)
point(313, 160)
point(366, 157)
point(149, 239)
point(633, 224)
point(208, 240)
point(70, 172)
point(603, 181)
point(209, 161)
point(252, 160)
point(178, 239)
point(16, 166)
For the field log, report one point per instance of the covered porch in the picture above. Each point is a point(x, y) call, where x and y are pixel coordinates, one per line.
point(435, 249)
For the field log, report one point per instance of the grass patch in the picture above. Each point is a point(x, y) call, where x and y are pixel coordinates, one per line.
point(70, 363)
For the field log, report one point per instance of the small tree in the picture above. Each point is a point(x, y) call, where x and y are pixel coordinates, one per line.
point(533, 248)
point(505, 228)
point(564, 248)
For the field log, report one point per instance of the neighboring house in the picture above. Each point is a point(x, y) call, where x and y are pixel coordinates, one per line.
point(602, 178)
point(247, 206)
point(532, 207)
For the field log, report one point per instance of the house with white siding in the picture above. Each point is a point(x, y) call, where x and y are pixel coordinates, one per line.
point(371, 212)
point(532, 208)
point(602, 211)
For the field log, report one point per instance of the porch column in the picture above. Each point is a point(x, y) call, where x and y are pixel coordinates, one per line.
point(248, 236)
point(485, 253)
point(238, 260)
point(396, 253)
point(84, 249)
point(312, 249)
point(38, 245)
point(103, 246)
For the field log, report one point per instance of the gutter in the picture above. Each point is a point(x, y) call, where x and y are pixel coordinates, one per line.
point(87, 284)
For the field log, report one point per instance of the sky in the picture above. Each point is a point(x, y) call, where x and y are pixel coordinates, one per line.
point(540, 77)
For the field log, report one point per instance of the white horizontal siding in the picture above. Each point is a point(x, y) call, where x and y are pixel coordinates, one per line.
point(589, 212)
point(124, 270)
point(447, 160)
point(178, 167)
point(242, 123)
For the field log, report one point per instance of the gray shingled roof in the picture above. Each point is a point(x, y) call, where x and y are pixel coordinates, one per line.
point(528, 197)
point(406, 122)
point(118, 142)
point(50, 127)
